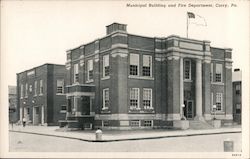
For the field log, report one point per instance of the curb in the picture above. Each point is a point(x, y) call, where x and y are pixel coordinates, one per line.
point(128, 139)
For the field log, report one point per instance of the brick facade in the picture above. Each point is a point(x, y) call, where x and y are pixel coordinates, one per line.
point(41, 102)
point(150, 83)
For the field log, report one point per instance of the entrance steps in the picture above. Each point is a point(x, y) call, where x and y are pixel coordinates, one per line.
point(197, 125)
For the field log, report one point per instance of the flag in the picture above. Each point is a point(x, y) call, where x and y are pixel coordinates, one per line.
point(196, 19)
point(190, 15)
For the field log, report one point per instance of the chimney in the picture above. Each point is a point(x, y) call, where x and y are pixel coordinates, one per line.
point(114, 27)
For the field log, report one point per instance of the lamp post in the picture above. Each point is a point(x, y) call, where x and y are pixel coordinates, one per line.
point(214, 110)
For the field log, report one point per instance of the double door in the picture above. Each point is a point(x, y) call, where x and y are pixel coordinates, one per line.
point(189, 109)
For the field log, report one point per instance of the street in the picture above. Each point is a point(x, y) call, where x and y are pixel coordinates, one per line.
point(22, 142)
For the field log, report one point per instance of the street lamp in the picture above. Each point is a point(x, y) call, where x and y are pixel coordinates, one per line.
point(182, 114)
point(214, 109)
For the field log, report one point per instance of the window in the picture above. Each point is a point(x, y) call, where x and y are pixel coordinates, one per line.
point(134, 64)
point(219, 101)
point(147, 65)
point(105, 99)
point(212, 100)
point(237, 89)
point(26, 90)
point(218, 73)
point(30, 88)
point(21, 91)
point(135, 123)
point(105, 65)
point(63, 108)
point(147, 123)
point(41, 87)
point(187, 69)
point(35, 89)
point(147, 98)
point(90, 70)
point(211, 72)
point(69, 105)
point(60, 86)
point(134, 98)
point(238, 108)
point(28, 111)
point(75, 104)
point(76, 73)
point(105, 123)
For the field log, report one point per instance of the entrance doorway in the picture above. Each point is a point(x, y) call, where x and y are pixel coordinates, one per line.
point(36, 115)
point(189, 109)
point(85, 105)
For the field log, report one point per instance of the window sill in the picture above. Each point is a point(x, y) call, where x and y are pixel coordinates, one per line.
point(60, 94)
point(187, 80)
point(89, 81)
point(218, 113)
point(105, 111)
point(75, 83)
point(63, 111)
point(105, 108)
point(40, 94)
point(105, 78)
point(140, 77)
point(218, 83)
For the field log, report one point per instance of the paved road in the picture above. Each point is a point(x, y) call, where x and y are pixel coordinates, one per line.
point(22, 142)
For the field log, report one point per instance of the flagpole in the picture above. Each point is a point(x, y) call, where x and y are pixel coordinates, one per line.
point(187, 25)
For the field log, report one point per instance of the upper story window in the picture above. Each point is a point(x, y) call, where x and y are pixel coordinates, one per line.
point(90, 70)
point(134, 98)
point(21, 91)
point(35, 88)
point(147, 98)
point(76, 73)
point(211, 72)
point(26, 90)
point(238, 108)
point(218, 73)
point(237, 89)
point(219, 99)
point(147, 65)
point(63, 109)
point(187, 69)
point(41, 87)
point(60, 86)
point(134, 64)
point(105, 104)
point(105, 65)
point(30, 88)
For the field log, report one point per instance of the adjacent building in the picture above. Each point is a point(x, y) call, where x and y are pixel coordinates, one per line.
point(13, 114)
point(130, 81)
point(237, 97)
point(40, 94)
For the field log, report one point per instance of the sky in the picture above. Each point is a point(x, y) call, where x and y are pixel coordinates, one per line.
point(38, 32)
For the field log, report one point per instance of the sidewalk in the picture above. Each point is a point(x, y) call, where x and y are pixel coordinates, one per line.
point(120, 135)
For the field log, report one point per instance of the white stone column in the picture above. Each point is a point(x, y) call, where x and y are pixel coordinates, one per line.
point(198, 90)
point(181, 87)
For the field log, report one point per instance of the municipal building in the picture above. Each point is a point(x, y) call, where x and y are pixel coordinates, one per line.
point(126, 81)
